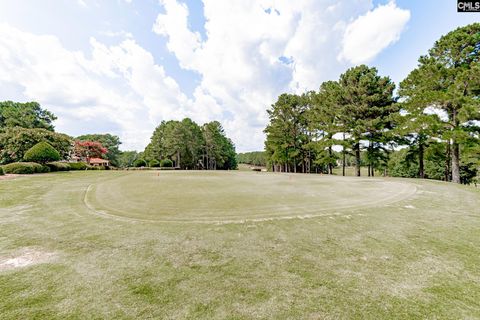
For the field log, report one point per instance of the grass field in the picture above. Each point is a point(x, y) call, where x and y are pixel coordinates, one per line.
point(237, 245)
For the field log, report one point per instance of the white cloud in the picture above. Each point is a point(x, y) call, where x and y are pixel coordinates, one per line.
point(113, 34)
point(250, 53)
point(119, 86)
point(240, 60)
point(185, 42)
point(369, 34)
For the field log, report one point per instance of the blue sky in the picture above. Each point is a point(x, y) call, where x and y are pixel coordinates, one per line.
point(123, 66)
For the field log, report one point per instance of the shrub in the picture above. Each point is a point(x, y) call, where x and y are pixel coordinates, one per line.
point(166, 163)
point(40, 168)
point(1, 171)
point(78, 165)
point(14, 142)
point(19, 168)
point(42, 152)
point(139, 163)
point(154, 163)
point(25, 168)
point(58, 166)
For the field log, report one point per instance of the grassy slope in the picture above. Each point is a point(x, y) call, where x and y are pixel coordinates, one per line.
point(417, 258)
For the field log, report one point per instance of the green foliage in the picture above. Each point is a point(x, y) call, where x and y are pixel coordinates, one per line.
point(324, 121)
point(154, 163)
point(58, 166)
point(166, 163)
point(404, 163)
point(1, 171)
point(468, 173)
point(25, 168)
point(191, 146)
point(42, 152)
point(303, 129)
point(78, 165)
point(360, 114)
point(14, 142)
point(179, 140)
point(399, 165)
point(126, 158)
point(108, 141)
point(435, 159)
point(368, 105)
point(287, 139)
point(139, 163)
point(449, 79)
point(219, 151)
point(26, 115)
point(256, 158)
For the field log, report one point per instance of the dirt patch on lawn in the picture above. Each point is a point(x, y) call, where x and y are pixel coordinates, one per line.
point(9, 176)
point(24, 258)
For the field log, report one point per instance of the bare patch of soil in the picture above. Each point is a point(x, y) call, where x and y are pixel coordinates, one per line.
point(25, 258)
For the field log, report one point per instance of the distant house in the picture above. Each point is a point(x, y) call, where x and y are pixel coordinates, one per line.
point(98, 162)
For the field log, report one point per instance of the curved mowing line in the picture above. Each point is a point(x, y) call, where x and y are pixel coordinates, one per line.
point(259, 218)
point(309, 209)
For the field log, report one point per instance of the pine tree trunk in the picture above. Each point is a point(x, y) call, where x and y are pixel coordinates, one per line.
point(309, 162)
point(344, 156)
point(330, 165)
point(455, 162)
point(370, 166)
point(421, 169)
point(455, 152)
point(447, 162)
point(357, 159)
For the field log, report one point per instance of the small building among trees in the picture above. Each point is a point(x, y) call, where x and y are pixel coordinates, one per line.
point(97, 162)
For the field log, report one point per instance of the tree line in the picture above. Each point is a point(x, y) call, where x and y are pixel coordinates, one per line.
point(255, 158)
point(29, 143)
point(184, 143)
point(23, 125)
point(435, 113)
point(190, 146)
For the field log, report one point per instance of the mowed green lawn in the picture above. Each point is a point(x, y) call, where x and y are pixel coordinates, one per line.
point(237, 245)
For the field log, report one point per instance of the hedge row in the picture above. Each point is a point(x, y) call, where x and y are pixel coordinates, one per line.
point(32, 167)
point(25, 168)
point(78, 166)
point(147, 168)
point(59, 166)
point(165, 163)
